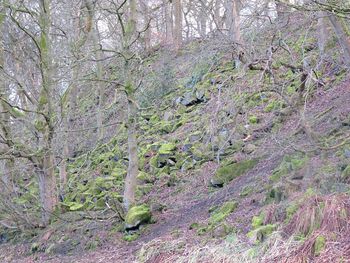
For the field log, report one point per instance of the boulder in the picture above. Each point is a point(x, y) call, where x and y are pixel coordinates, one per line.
point(261, 233)
point(191, 98)
point(136, 216)
point(227, 173)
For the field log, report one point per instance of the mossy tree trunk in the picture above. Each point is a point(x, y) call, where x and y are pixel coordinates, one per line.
point(130, 90)
point(100, 90)
point(46, 167)
point(342, 38)
point(5, 131)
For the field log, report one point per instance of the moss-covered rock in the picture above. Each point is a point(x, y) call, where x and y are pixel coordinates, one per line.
point(222, 230)
point(136, 216)
point(167, 148)
point(227, 173)
point(258, 221)
point(261, 233)
point(289, 165)
point(222, 212)
point(145, 178)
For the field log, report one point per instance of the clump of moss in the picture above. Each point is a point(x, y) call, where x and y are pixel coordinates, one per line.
point(320, 244)
point(222, 212)
point(289, 164)
point(131, 237)
point(274, 105)
point(291, 210)
point(167, 148)
point(227, 173)
point(137, 215)
point(253, 119)
point(261, 233)
point(247, 190)
point(258, 221)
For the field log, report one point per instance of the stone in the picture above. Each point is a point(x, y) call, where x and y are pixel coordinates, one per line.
point(228, 172)
point(187, 147)
point(216, 182)
point(190, 99)
point(167, 148)
point(136, 216)
point(168, 116)
point(347, 153)
point(195, 137)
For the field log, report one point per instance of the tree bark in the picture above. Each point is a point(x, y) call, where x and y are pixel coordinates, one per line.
point(178, 23)
point(322, 32)
point(342, 38)
point(46, 169)
point(147, 25)
point(131, 178)
point(233, 21)
point(5, 132)
point(203, 18)
point(168, 23)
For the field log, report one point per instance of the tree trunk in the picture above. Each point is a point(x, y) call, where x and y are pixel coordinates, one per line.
point(5, 132)
point(342, 38)
point(47, 187)
point(218, 19)
point(232, 21)
point(177, 23)
point(147, 25)
point(100, 90)
point(203, 19)
point(131, 179)
point(322, 32)
point(46, 173)
point(168, 23)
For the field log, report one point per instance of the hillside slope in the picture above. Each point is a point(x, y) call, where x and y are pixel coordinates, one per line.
point(237, 165)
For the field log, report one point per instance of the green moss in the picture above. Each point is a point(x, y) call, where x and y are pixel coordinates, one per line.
point(346, 172)
point(291, 210)
point(39, 125)
point(253, 119)
point(229, 172)
point(137, 215)
point(167, 148)
point(144, 189)
point(223, 212)
point(260, 234)
point(118, 173)
point(320, 244)
point(274, 105)
point(289, 164)
point(145, 177)
point(247, 190)
point(258, 221)
point(131, 237)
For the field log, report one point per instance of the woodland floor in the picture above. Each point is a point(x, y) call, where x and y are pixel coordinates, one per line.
point(190, 201)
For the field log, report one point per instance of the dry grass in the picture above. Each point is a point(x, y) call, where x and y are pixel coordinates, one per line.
point(319, 216)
